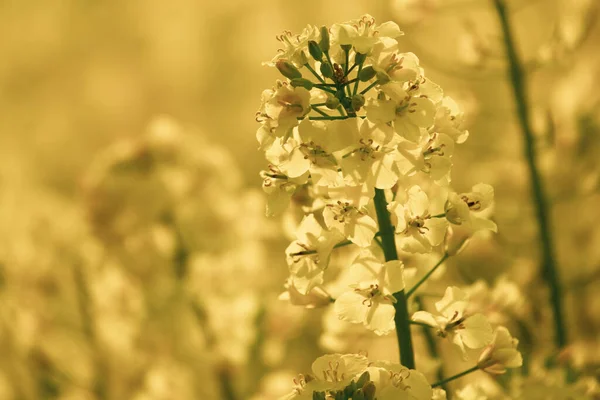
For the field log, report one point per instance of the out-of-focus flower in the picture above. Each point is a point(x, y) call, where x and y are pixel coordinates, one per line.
point(502, 353)
point(472, 331)
point(466, 208)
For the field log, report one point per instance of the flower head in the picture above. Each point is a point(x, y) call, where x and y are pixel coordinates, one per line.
point(472, 331)
point(371, 298)
point(468, 208)
point(502, 353)
point(416, 229)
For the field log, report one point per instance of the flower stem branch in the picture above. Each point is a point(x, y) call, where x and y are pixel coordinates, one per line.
point(355, 90)
point(352, 68)
point(325, 88)
point(309, 252)
point(427, 275)
point(401, 318)
point(453, 377)
point(423, 324)
point(307, 65)
point(365, 90)
point(316, 108)
point(549, 270)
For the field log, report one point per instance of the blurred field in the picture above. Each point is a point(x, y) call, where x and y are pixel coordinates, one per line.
point(135, 261)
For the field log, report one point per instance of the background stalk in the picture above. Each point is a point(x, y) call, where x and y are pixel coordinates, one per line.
point(401, 319)
point(519, 87)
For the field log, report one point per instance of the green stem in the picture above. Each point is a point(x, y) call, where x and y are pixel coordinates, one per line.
point(316, 108)
point(401, 318)
point(226, 383)
point(347, 53)
point(355, 90)
point(427, 275)
point(308, 252)
point(100, 383)
point(365, 90)
point(453, 377)
point(351, 68)
point(314, 73)
point(519, 87)
point(325, 89)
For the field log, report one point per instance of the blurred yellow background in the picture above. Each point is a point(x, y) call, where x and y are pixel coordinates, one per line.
point(89, 309)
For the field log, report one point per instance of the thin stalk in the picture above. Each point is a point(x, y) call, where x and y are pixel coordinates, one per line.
point(308, 252)
point(518, 78)
point(337, 246)
point(316, 108)
point(427, 275)
point(331, 117)
point(226, 383)
point(453, 377)
point(365, 90)
point(347, 61)
point(100, 384)
point(351, 68)
point(325, 88)
point(401, 318)
point(307, 65)
point(355, 90)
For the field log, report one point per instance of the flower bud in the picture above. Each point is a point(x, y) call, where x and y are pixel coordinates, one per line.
point(363, 379)
point(324, 43)
point(359, 395)
point(382, 78)
point(332, 102)
point(288, 69)
point(350, 389)
point(369, 390)
point(360, 58)
point(302, 82)
point(315, 51)
point(367, 73)
point(358, 100)
point(501, 354)
point(318, 396)
point(326, 70)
